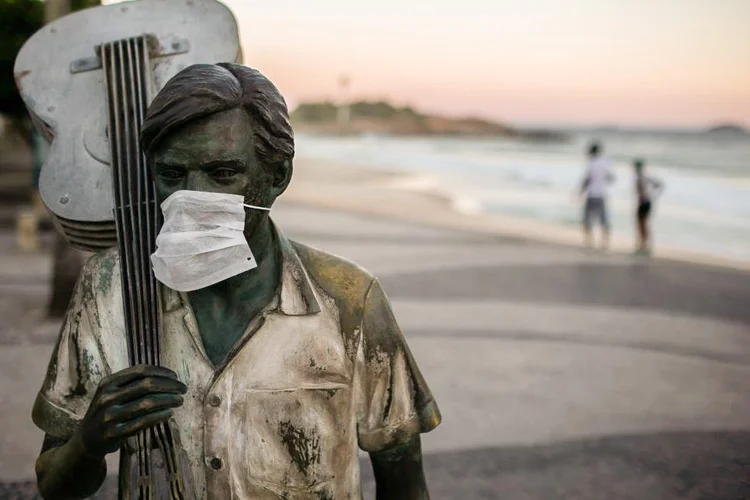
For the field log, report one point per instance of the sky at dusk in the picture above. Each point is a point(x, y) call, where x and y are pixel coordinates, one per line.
point(630, 62)
point(683, 63)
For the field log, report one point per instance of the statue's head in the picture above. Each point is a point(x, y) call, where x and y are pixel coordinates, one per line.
point(220, 128)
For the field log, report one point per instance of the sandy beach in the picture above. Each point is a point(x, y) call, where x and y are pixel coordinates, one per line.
point(413, 198)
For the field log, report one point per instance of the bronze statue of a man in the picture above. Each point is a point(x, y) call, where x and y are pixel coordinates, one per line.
point(279, 361)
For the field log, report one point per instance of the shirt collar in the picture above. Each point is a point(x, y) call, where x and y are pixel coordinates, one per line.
point(295, 296)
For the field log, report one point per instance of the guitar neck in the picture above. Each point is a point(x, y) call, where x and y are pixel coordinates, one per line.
point(126, 66)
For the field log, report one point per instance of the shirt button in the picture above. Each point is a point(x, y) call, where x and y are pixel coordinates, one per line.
point(216, 463)
point(214, 400)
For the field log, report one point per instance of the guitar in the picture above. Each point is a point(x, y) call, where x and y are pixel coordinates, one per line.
point(86, 80)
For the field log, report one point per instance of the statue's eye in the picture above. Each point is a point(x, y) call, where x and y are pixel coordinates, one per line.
point(223, 173)
point(171, 174)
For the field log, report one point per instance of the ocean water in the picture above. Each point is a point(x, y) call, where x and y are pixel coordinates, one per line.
point(705, 206)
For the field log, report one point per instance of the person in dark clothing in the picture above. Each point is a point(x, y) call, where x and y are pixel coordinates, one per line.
point(647, 190)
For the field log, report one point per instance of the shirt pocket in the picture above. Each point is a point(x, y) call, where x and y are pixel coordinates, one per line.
point(296, 440)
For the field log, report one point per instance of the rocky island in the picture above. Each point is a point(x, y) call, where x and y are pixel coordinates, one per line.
point(728, 129)
point(380, 117)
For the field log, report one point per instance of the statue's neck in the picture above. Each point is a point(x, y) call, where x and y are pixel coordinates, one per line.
point(224, 310)
point(262, 240)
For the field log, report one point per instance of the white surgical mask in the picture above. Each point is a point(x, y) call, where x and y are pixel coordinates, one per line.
point(202, 242)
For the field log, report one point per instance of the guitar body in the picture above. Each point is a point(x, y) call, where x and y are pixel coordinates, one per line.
point(64, 91)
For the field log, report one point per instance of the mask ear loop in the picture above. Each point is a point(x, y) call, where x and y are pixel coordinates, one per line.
point(256, 208)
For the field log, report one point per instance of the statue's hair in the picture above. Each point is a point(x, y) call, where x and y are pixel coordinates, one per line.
point(204, 89)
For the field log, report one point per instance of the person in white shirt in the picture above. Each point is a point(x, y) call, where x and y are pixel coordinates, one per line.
point(647, 189)
point(594, 186)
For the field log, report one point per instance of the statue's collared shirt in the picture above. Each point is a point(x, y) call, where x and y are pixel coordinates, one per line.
point(322, 372)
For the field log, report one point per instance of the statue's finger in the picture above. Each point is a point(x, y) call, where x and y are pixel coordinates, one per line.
point(142, 387)
point(148, 404)
point(136, 372)
point(131, 427)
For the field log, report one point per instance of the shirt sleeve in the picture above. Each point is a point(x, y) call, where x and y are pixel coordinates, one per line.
point(394, 402)
point(75, 368)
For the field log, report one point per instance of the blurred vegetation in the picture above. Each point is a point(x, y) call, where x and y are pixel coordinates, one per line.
point(381, 109)
point(19, 19)
point(322, 112)
point(385, 118)
point(315, 112)
point(83, 4)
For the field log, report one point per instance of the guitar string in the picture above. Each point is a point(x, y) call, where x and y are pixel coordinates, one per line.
point(135, 209)
point(115, 137)
point(145, 186)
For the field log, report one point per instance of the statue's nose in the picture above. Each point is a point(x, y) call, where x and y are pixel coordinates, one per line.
point(193, 181)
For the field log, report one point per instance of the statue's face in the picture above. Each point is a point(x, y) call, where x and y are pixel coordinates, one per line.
point(214, 154)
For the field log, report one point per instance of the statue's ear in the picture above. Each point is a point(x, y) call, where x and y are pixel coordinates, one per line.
point(282, 176)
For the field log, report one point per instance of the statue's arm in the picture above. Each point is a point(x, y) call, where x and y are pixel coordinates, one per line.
point(398, 472)
point(396, 405)
point(65, 471)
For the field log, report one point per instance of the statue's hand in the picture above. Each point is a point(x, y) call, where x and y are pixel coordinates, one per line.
point(127, 402)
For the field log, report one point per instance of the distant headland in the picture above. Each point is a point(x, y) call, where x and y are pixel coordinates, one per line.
point(728, 129)
point(380, 117)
